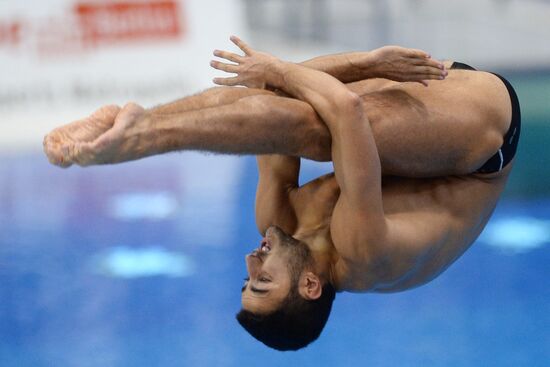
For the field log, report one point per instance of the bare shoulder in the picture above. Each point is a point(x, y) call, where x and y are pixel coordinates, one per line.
point(431, 223)
point(439, 223)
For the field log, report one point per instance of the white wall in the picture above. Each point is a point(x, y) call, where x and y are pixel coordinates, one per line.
point(487, 33)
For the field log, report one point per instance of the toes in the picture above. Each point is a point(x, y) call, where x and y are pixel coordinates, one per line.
point(107, 113)
point(55, 155)
point(84, 154)
point(52, 137)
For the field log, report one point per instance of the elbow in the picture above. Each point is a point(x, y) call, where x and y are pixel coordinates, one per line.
point(354, 100)
point(347, 106)
point(349, 103)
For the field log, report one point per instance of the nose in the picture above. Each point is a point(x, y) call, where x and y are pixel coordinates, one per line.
point(252, 265)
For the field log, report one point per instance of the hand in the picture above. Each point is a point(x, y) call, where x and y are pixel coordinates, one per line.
point(252, 69)
point(406, 65)
point(99, 139)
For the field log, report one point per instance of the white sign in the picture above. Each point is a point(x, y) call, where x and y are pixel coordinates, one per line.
point(61, 59)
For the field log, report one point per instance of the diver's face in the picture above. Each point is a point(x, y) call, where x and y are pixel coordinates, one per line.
point(269, 275)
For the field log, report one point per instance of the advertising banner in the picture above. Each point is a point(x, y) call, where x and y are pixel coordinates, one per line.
point(62, 59)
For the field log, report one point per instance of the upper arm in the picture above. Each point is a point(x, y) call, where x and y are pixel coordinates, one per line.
point(358, 217)
point(354, 153)
point(278, 178)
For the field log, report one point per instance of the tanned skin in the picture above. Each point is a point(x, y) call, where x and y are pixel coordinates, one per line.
point(365, 233)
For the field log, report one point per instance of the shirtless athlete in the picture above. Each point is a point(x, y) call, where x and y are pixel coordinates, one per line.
point(445, 152)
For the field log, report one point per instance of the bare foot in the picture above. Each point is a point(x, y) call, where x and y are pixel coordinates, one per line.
point(58, 141)
point(123, 142)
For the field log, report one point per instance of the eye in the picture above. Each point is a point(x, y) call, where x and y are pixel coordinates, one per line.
point(264, 280)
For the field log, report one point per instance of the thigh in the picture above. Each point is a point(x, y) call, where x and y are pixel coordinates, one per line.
point(451, 127)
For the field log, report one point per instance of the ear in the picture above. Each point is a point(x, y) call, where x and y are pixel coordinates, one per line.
point(310, 286)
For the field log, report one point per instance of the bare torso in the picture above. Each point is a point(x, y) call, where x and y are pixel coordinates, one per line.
point(442, 215)
point(448, 212)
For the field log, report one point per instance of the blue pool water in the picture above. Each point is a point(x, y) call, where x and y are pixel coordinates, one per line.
point(141, 265)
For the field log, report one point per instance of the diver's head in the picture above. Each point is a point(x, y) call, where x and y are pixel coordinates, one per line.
point(285, 304)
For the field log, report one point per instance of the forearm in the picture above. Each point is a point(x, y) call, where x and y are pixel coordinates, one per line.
point(354, 153)
point(321, 90)
point(212, 97)
point(278, 177)
point(347, 67)
point(283, 169)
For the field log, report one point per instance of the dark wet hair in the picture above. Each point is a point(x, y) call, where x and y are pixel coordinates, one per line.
point(295, 324)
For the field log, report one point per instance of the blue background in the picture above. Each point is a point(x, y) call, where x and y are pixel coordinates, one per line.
point(135, 265)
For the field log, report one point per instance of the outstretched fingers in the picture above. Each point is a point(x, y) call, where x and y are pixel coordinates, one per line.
point(241, 44)
point(421, 70)
point(250, 68)
point(416, 53)
point(230, 56)
point(420, 61)
point(425, 64)
point(430, 72)
point(228, 68)
point(232, 81)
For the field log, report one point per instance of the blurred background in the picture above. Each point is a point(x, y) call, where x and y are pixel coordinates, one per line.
point(141, 264)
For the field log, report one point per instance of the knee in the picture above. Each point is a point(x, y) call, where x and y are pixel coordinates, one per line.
point(257, 104)
point(310, 135)
point(302, 122)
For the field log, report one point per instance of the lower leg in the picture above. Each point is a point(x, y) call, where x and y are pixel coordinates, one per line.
point(409, 139)
point(264, 124)
point(257, 124)
point(217, 96)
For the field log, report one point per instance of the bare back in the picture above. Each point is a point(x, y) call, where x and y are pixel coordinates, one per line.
point(448, 128)
point(437, 219)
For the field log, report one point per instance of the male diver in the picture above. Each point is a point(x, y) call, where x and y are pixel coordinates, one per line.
point(417, 171)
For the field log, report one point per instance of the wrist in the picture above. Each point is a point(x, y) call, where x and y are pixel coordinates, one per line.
point(275, 73)
point(365, 62)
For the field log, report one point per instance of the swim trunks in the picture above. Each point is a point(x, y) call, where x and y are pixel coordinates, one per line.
point(508, 149)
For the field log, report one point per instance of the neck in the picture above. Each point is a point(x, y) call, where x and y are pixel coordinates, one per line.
point(322, 250)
